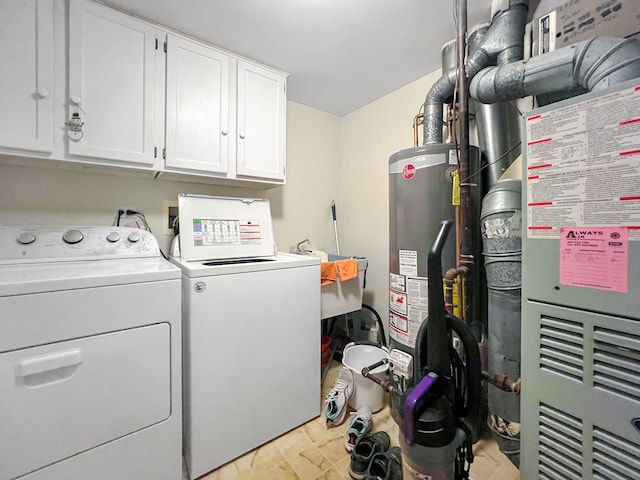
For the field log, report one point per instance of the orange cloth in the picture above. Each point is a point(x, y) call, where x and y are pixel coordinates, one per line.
point(347, 269)
point(328, 273)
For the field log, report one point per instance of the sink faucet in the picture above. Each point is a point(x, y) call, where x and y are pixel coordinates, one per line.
point(303, 249)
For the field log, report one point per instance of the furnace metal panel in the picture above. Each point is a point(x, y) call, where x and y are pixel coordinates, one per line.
point(581, 344)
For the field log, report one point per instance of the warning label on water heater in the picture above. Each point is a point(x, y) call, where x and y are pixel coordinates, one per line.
point(408, 260)
point(408, 310)
point(583, 165)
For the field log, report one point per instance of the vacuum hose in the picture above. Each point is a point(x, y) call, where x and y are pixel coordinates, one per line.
point(434, 349)
point(471, 380)
point(471, 407)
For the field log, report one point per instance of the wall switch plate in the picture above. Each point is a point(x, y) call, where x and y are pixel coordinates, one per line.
point(169, 215)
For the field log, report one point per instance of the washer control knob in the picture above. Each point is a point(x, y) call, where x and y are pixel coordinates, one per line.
point(134, 237)
point(113, 237)
point(73, 236)
point(25, 238)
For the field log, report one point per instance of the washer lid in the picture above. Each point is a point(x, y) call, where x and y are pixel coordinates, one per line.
point(214, 228)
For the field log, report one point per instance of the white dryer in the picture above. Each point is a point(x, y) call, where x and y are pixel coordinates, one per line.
point(251, 331)
point(90, 361)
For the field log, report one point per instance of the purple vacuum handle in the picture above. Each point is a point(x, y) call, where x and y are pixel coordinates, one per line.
point(410, 405)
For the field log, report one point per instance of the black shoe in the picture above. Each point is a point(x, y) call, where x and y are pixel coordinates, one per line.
point(366, 447)
point(385, 465)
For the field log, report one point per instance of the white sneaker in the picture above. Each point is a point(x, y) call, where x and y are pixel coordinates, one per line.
point(338, 398)
point(361, 423)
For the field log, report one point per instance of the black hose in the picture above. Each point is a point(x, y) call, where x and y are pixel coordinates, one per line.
point(473, 367)
point(379, 322)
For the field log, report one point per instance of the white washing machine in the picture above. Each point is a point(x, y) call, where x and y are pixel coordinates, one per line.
point(251, 331)
point(90, 361)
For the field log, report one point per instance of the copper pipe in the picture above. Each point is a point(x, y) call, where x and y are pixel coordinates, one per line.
point(416, 121)
point(450, 123)
point(503, 382)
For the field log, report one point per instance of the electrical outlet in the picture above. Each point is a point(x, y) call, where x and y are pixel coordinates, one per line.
point(169, 216)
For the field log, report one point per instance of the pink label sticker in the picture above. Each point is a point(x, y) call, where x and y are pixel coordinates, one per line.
point(595, 257)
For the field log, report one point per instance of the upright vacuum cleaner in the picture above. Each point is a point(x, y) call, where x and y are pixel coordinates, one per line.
point(439, 412)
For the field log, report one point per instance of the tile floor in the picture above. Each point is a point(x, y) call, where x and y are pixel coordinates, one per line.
point(314, 452)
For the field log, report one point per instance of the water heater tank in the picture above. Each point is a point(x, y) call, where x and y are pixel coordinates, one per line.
point(420, 190)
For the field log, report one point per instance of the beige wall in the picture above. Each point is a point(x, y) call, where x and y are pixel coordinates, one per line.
point(368, 137)
point(328, 158)
point(32, 196)
point(301, 209)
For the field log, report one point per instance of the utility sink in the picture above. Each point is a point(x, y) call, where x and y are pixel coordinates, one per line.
point(339, 298)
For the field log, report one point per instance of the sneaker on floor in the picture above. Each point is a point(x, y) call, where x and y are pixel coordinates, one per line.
point(385, 465)
point(338, 398)
point(364, 450)
point(360, 424)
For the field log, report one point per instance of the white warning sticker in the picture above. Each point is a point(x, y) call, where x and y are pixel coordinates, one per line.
point(417, 292)
point(408, 311)
point(397, 282)
point(398, 302)
point(398, 326)
point(408, 262)
point(583, 165)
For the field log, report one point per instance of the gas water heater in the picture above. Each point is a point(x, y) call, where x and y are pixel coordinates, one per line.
point(420, 190)
point(420, 198)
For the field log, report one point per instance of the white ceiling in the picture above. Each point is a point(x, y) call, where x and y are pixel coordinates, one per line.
point(340, 54)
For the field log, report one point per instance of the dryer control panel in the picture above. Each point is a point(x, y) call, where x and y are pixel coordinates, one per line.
point(70, 243)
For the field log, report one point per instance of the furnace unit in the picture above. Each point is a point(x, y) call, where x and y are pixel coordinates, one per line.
point(581, 285)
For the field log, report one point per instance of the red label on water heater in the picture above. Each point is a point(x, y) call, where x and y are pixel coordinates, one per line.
point(408, 171)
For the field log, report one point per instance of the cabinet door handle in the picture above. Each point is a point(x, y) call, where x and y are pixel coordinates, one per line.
point(48, 362)
point(225, 131)
point(75, 99)
point(43, 92)
point(241, 135)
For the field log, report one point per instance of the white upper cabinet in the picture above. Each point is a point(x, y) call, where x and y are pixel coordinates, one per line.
point(261, 122)
point(88, 84)
point(26, 81)
point(112, 85)
point(197, 112)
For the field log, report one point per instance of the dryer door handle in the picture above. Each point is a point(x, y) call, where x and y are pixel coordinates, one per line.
point(49, 362)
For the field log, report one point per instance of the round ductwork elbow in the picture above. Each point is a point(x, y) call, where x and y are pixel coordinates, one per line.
point(594, 64)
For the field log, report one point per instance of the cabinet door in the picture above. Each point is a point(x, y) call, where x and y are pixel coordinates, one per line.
point(197, 115)
point(26, 82)
point(261, 118)
point(111, 84)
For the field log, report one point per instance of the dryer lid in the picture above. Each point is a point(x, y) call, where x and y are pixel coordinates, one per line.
point(214, 228)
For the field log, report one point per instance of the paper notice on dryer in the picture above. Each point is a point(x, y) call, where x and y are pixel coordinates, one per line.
point(583, 165)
